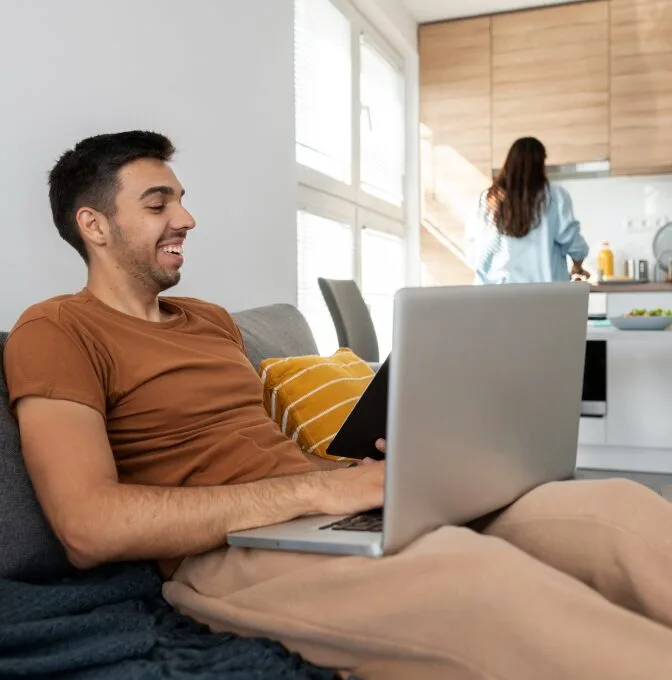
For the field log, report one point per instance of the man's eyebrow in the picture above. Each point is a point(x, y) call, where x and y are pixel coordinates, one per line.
point(160, 189)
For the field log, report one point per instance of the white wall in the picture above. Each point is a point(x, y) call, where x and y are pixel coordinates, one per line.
point(214, 75)
point(626, 211)
point(393, 19)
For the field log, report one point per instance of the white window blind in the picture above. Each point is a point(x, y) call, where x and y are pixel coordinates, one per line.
point(382, 125)
point(383, 274)
point(323, 86)
point(325, 248)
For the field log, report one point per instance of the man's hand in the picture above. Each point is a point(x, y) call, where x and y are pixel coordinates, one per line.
point(381, 446)
point(351, 490)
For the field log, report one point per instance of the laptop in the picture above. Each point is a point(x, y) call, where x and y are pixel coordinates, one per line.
point(483, 405)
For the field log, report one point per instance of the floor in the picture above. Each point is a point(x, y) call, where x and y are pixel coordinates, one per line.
point(660, 483)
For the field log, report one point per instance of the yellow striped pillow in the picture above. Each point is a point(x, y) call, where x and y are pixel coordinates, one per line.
point(311, 396)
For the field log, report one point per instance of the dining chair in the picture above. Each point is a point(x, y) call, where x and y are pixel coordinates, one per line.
point(351, 316)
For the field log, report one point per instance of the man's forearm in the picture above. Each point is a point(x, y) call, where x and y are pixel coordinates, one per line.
point(128, 522)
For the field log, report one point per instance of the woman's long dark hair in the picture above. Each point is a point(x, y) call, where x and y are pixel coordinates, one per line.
point(517, 198)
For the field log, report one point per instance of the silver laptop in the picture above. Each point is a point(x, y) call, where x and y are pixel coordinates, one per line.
point(484, 403)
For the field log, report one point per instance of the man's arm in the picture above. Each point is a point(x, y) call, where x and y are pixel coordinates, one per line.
point(98, 520)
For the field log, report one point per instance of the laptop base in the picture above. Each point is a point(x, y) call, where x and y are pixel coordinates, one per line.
point(307, 534)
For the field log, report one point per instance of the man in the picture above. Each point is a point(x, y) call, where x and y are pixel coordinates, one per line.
point(144, 434)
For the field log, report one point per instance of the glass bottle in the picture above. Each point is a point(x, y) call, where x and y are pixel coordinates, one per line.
point(605, 260)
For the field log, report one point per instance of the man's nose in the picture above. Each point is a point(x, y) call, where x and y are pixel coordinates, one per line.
point(184, 220)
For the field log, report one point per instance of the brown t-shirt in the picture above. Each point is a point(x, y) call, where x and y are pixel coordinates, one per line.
point(182, 403)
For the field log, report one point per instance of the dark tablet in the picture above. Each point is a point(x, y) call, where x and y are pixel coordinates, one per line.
point(366, 423)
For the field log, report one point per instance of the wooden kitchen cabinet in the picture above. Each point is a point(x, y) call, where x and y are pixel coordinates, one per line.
point(550, 79)
point(455, 116)
point(641, 86)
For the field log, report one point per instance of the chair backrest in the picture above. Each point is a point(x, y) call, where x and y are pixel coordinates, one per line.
point(354, 326)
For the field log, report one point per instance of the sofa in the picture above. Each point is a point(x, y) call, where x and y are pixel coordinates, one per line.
point(29, 551)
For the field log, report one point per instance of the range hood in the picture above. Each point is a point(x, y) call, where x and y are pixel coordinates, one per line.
point(587, 170)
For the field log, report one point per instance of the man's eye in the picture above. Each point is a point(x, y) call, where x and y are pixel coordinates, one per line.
point(156, 208)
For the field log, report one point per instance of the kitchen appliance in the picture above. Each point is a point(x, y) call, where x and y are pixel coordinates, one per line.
point(594, 393)
point(597, 306)
point(637, 270)
point(585, 170)
point(662, 250)
point(642, 270)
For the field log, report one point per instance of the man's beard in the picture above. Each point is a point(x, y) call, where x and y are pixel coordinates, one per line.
point(148, 274)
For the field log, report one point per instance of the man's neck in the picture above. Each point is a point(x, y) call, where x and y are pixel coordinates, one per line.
point(127, 298)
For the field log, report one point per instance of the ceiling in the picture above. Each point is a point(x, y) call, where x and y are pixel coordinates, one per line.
point(436, 10)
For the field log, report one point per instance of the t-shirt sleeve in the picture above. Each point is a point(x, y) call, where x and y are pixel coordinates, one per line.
point(233, 328)
point(41, 359)
point(239, 335)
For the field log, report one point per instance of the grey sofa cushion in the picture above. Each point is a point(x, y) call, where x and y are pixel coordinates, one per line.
point(28, 548)
point(275, 331)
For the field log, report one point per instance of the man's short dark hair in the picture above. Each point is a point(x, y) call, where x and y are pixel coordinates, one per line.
point(88, 176)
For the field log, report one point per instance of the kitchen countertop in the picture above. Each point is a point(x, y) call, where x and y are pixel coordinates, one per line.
point(631, 288)
point(614, 334)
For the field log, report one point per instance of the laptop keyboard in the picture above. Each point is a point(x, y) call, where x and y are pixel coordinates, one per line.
point(371, 520)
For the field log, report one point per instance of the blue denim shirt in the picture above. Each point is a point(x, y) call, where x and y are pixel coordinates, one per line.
point(538, 257)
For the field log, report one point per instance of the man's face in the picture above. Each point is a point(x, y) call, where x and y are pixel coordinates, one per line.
point(147, 233)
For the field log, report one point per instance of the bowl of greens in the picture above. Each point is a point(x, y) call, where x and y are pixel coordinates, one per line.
point(643, 320)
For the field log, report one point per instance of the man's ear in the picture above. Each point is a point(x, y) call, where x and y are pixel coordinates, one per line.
point(92, 225)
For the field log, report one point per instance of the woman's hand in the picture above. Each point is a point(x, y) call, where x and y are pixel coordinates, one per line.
point(578, 272)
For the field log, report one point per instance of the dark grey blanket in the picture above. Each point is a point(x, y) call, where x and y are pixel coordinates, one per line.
point(112, 624)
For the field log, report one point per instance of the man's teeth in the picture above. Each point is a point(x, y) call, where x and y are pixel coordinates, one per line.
point(177, 250)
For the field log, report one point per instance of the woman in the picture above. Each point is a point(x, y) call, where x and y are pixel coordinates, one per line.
point(525, 227)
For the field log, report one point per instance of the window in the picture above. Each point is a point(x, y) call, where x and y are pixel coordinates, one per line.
point(323, 89)
point(382, 126)
point(325, 248)
point(383, 273)
point(350, 128)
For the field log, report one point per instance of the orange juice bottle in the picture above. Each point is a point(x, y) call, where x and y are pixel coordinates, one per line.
point(605, 260)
